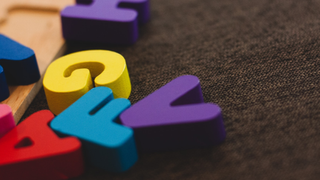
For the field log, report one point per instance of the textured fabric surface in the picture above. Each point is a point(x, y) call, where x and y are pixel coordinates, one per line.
point(258, 59)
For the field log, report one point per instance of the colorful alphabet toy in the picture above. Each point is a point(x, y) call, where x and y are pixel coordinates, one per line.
point(97, 117)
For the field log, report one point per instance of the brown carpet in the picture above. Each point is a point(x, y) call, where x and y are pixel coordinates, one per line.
point(258, 59)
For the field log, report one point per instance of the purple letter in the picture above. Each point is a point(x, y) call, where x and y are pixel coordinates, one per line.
point(104, 21)
point(175, 117)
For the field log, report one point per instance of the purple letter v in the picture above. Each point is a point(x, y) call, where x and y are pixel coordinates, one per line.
point(175, 117)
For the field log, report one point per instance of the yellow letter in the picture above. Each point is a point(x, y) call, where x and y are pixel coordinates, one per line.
point(69, 77)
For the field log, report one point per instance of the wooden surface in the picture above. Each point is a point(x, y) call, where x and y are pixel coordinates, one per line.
point(35, 24)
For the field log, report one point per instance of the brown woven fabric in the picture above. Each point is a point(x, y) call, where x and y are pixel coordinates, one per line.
point(258, 59)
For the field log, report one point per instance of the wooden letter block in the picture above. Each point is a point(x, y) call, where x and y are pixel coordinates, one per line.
point(175, 117)
point(6, 119)
point(111, 21)
point(32, 151)
point(18, 62)
point(107, 145)
point(69, 77)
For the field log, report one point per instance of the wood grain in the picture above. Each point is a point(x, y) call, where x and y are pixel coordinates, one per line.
point(35, 24)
